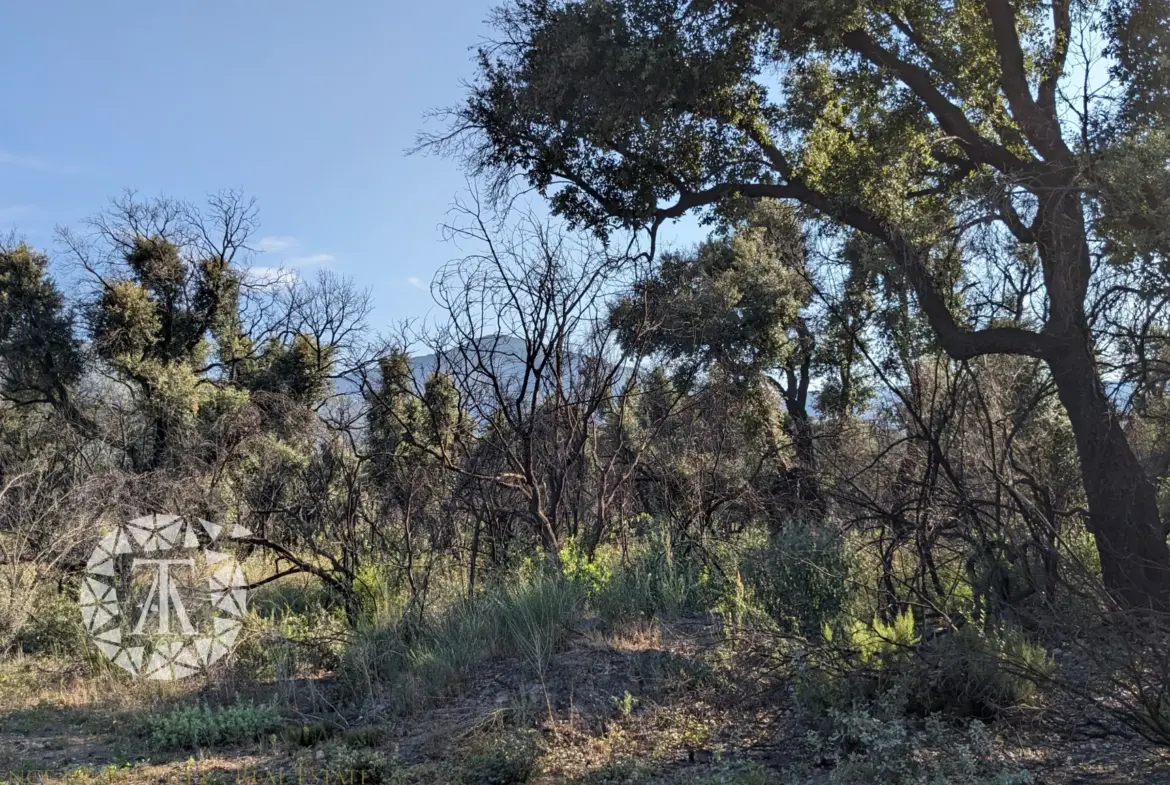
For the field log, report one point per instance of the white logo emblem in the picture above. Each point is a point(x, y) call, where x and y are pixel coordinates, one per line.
point(160, 565)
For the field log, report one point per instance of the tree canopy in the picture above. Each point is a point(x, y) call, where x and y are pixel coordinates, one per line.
point(956, 135)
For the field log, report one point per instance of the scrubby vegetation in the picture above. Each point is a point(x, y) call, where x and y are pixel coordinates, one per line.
point(192, 727)
point(867, 487)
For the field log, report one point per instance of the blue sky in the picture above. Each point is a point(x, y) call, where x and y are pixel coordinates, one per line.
point(307, 106)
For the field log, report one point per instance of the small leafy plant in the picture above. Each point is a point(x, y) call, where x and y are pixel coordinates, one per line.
point(360, 766)
point(625, 704)
point(190, 727)
point(511, 762)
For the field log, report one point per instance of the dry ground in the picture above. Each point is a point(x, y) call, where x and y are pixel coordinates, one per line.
point(649, 706)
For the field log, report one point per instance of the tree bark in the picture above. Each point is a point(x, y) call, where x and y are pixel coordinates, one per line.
point(805, 475)
point(1123, 504)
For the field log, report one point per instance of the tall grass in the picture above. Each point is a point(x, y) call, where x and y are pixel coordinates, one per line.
point(536, 617)
point(656, 581)
point(407, 663)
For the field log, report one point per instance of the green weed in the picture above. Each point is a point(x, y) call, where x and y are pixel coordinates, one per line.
point(191, 727)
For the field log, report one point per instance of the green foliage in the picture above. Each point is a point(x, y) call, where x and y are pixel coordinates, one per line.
point(590, 575)
point(978, 672)
point(801, 577)
point(509, 762)
point(1135, 197)
point(409, 662)
point(1137, 41)
point(963, 673)
point(125, 322)
point(294, 628)
point(359, 765)
point(862, 663)
point(880, 644)
point(307, 734)
point(294, 595)
point(870, 747)
point(40, 359)
point(55, 628)
point(190, 727)
point(380, 593)
point(656, 582)
point(635, 78)
point(624, 705)
point(365, 736)
point(537, 617)
point(156, 262)
point(692, 112)
point(298, 369)
point(441, 400)
point(731, 302)
point(395, 412)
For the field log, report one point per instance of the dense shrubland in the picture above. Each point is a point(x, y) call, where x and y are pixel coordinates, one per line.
point(892, 439)
point(581, 446)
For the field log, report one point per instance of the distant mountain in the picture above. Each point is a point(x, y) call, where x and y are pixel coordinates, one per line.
point(504, 354)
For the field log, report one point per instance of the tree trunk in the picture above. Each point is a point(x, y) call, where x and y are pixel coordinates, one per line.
point(807, 480)
point(1123, 506)
point(474, 559)
point(804, 480)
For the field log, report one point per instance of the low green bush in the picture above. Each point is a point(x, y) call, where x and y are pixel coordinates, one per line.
point(974, 672)
point(800, 577)
point(367, 736)
point(307, 734)
point(970, 672)
point(856, 664)
point(537, 616)
point(286, 643)
point(191, 727)
point(656, 581)
point(869, 746)
point(510, 761)
point(405, 664)
point(301, 595)
point(361, 766)
point(590, 576)
point(55, 628)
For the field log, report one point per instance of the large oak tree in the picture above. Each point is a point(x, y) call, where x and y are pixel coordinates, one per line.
point(917, 123)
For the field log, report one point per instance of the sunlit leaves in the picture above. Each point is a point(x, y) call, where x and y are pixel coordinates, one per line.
point(732, 301)
point(125, 321)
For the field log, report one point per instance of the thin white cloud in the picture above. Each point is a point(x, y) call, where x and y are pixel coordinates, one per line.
point(9, 158)
point(25, 161)
point(416, 282)
point(10, 213)
point(261, 276)
point(276, 244)
point(304, 261)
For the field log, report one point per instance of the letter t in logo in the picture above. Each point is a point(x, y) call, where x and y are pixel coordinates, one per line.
point(166, 592)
